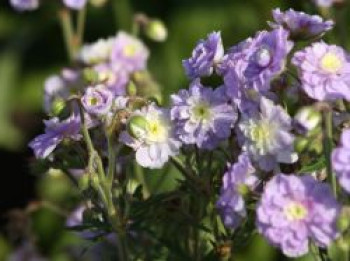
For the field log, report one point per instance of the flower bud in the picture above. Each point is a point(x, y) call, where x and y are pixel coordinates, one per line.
point(137, 126)
point(300, 144)
point(57, 106)
point(156, 30)
point(343, 222)
point(243, 190)
point(98, 3)
point(131, 89)
point(90, 75)
point(84, 182)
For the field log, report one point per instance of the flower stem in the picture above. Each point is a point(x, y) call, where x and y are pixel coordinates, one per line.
point(327, 147)
point(68, 32)
point(80, 27)
point(104, 190)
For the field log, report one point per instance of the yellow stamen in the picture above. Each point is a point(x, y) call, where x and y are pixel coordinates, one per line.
point(331, 63)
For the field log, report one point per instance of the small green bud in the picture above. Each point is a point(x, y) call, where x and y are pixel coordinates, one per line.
point(131, 89)
point(137, 126)
point(156, 30)
point(58, 106)
point(243, 190)
point(95, 182)
point(300, 144)
point(84, 182)
point(98, 3)
point(90, 75)
point(343, 222)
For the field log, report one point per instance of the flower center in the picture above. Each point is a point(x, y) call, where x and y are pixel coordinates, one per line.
point(93, 101)
point(201, 111)
point(330, 62)
point(263, 57)
point(295, 211)
point(156, 131)
point(129, 50)
point(261, 133)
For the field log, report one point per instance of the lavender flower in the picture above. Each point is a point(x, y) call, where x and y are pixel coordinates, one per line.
point(75, 4)
point(266, 135)
point(129, 53)
point(55, 131)
point(115, 79)
point(300, 25)
point(205, 56)
point(341, 159)
point(296, 209)
point(151, 136)
point(98, 52)
point(237, 180)
point(202, 116)
point(266, 59)
point(97, 100)
point(55, 89)
point(25, 5)
point(324, 71)
point(324, 3)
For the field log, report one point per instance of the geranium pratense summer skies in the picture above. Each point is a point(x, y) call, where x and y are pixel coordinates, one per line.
point(205, 56)
point(97, 52)
point(202, 116)
point(266, 136)
point(341, 161)
point(75, 4)
point(97, 100)
point(55, 132)
point(25, 5)
point(129, 53)
point(237, 181)
point(267, 57)
point(150, 133)
point(296, 209)
point(324, 71)
point(301, 26)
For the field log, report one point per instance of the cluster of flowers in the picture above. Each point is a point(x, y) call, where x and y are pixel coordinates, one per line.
point(294, 208)
point(30, 5)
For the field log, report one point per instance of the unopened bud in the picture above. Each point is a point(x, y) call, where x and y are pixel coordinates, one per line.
point(156, 30)
point(90, 75)
point(343, 222)
point(243, 190)
point(58, 106)
point(98, 3)
point(300, 144)
point(131, 89)
point(137, 126)
point(84, 182)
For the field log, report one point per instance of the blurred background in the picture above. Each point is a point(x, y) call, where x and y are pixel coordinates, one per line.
point(32, 48)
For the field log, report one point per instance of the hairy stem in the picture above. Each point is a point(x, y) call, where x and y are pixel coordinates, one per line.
point(327, 147)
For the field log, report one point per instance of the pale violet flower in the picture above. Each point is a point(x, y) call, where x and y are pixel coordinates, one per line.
point(205, 56)
point(129, 53)
point(75, 4)
point(25, 5)
point(150, 134)
point(202, 116)
point(55, 132)
point(295, 210)
point(238, 180)
point(97, 100)
point(324, 71)
point(97, 52)
point(266, 135)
